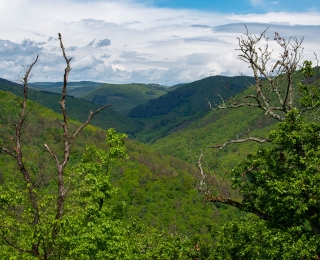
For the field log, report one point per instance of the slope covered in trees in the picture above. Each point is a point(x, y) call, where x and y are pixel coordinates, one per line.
point(77, 108)
point(154, 192)
point(183, 105)
point(124, 97)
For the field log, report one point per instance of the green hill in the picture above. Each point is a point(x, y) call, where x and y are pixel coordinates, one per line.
point(158, 190)
point(219, 126)
point(124, 97)
point(76, 89)
point(181, 106)
point(77, 108)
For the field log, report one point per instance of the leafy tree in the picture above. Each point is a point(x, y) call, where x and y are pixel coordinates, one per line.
point(279, 183)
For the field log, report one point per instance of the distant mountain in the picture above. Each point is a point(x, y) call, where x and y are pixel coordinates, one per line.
point(76, 89)
point(77, 108)
point(124, 97)
point(183, 105)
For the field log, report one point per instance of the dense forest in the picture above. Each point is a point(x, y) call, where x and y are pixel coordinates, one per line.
point(229, 167)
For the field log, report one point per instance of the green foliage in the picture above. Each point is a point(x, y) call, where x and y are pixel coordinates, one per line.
point(183, 105)
point(306, 69)
point(155, 189)
point(251, 238)
point(78, 109)
point(150, 243)
point(160, 191)
point(281, 182)
point(88, 229)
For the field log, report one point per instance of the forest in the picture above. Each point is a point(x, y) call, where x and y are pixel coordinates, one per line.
point(221, 168)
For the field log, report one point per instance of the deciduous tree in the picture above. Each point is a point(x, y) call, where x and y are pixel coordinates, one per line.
point(278, 183)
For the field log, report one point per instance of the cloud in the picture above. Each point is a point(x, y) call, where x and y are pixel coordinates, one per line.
point(86, 62)
point(308, 32)
point(99, 43)
point(200, 26)
point(203, 39)
point(256, 2)
point(105, 56)
point(72, 48)
point(104, 42)
point(124, 41)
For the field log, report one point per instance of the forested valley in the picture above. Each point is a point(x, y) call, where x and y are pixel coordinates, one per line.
point(219, 168)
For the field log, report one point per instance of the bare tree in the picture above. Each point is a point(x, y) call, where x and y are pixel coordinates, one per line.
point(16, 152)
point(273, 92)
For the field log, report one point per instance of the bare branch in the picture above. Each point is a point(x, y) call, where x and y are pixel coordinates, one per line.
point(238, 205)
point(13, 245)
point(202, 184)
point(274, 94)
point(91, 115)
point(221, 146)
point(68, 139)
point(17, 154)
point(52, 154)
point(7, 151)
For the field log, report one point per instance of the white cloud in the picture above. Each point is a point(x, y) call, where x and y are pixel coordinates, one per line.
point(122, 41)
point(256, 2)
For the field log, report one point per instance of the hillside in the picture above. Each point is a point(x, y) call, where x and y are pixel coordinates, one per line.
point(219, 126)
point(158, 190)
point(77, 108)
point(124, 97)
point(183, 105)
point(75, 89)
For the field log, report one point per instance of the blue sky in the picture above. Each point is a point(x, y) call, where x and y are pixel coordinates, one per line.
point(148, 41)
point(240, 6)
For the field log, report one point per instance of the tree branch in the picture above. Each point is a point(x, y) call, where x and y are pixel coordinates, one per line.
point(268, 96)
point(68, 139)
point(91, 115)
point(238, 205)
point(13, 245)
point(202, 184)
point(221, 146)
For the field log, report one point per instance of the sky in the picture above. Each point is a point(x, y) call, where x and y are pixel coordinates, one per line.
point(145, 41)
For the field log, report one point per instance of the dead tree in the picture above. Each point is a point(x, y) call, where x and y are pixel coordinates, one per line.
point(273, 92)
point(15, 151)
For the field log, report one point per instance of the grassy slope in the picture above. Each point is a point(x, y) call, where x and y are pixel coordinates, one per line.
point(124, 97)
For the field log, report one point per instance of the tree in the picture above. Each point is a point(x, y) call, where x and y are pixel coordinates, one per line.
point(51, 220)
point(279, 183)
